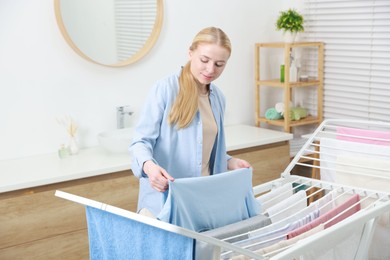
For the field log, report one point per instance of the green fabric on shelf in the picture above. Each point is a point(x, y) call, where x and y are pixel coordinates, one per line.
point(298, 113)
point(272, 114)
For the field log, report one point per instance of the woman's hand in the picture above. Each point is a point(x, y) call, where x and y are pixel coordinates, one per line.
point(235, 163)
point(158, 177)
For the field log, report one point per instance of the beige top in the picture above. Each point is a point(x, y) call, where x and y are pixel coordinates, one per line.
point(210, 131)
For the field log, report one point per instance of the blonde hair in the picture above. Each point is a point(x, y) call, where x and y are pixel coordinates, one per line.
point(186, 104)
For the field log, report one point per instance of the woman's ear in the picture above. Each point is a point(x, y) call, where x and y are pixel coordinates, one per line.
point(190, 54)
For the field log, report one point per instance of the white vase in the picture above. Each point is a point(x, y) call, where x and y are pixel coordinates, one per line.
point(289, 36)
point(73, 146)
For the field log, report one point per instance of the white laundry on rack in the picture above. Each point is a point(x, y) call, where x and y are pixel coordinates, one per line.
point(208, 202)
point(276, 232)
point(274, 249)
point(273, 236)
point(323, 205)
point(288, 206)
point(359, 171)
point(275, 196)
point(230, 233)
point(376, 156)
point(336, 252)
point(239, 230)
point(337, 214)
point(331, 149)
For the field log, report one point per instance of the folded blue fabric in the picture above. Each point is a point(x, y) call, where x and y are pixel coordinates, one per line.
point(115, 237)
point(209, 202)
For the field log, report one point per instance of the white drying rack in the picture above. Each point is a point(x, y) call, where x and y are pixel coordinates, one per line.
point(310, 157)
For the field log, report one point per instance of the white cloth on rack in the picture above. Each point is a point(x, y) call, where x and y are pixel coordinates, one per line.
point(274, 236)
point(229, 233)
point(208, 202)
point(339, 213)
point(287, 207)
point(330, 149)
point(275, 248)
point(333, 150)
point(323, 204)
point(234, 232)
point(356, 171)
point(275, 196)
point(277, 232)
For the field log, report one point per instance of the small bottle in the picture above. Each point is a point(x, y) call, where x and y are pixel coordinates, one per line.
point(63, 152)
point(293, 72)
point(282, 73)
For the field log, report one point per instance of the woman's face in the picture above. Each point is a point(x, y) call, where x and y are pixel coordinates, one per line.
point(208, 61)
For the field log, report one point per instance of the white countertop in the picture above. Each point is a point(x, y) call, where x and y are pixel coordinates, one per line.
point(46, 169)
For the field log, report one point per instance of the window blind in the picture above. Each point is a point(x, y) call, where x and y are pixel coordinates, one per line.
point(356, 34)
point(135, 20)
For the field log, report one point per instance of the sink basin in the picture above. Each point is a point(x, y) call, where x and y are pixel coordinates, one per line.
point(116, 141)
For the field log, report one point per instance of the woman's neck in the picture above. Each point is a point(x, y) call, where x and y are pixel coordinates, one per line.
point(203, 89)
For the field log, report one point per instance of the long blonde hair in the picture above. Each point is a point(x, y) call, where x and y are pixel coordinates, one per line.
point(186, 104)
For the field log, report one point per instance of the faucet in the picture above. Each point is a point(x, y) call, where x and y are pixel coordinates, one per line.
point(120, 115)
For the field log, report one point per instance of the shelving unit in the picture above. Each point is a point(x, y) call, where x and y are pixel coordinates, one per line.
point(288, 86)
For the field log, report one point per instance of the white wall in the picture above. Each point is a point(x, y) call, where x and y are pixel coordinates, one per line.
point(42, 78)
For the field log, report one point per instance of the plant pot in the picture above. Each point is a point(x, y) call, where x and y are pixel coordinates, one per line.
point(289, 36)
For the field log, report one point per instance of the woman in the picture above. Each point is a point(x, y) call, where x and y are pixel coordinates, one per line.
point(180, 132)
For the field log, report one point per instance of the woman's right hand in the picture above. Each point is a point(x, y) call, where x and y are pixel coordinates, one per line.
point(158, 176)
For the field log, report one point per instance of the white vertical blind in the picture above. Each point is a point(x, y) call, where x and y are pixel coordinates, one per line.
point(356, 34)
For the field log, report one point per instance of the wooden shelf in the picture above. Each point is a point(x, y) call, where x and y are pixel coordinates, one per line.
point(288, 44)
point(287, 86)
point(280, 122)
point(277, 83)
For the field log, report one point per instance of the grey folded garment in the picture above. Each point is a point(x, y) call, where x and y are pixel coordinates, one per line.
point(232, 233)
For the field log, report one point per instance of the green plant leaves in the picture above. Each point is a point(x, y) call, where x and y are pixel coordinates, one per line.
point(290, 20)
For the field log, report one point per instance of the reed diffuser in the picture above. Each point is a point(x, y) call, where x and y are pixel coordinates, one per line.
point(71, 128)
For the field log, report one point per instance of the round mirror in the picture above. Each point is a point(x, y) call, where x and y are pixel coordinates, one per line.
point(110, 32)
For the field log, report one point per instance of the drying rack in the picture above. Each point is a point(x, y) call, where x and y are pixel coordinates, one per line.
point(315, 157)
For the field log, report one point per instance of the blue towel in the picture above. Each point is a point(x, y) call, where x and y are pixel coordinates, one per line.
point(115, 237)
point(209, 202)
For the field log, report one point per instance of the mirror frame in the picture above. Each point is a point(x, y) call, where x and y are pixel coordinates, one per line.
point(137, 56)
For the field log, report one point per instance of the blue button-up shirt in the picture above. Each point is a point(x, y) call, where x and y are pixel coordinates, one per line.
point(179, 152)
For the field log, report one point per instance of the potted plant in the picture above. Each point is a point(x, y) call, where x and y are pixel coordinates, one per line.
point(291, 22)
